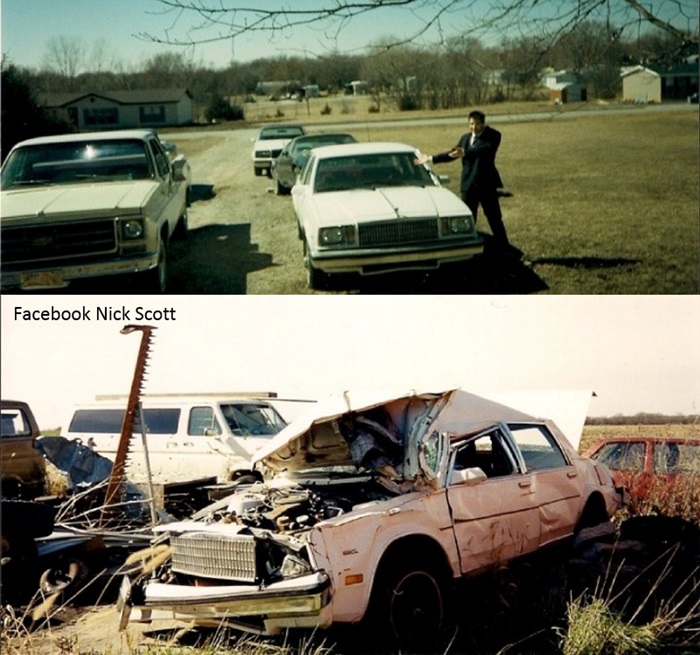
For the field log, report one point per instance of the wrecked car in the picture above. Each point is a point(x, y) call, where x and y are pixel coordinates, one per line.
point(370, 509)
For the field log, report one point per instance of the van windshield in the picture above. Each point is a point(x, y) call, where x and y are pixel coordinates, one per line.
point(247, 419)
point(109, 421)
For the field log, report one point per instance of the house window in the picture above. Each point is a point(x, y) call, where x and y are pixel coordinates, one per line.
point(101, 116)
point(152, 114)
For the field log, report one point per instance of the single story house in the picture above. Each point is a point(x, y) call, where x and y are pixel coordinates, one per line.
point(123, 109)
point(641, 84)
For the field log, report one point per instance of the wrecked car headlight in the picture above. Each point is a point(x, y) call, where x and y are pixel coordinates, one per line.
point(336, 236)
point(293, 566)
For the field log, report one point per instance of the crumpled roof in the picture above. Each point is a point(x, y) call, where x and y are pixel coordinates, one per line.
point(462, 413)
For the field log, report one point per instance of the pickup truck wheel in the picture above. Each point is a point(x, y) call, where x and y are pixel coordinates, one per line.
point(411, 604)
point(156, 278)
point(182, 229)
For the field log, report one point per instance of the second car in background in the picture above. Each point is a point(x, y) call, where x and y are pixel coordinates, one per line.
point(294, 155)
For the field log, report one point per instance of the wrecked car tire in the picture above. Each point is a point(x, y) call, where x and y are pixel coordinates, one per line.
point(412, 603)
point(66, 578)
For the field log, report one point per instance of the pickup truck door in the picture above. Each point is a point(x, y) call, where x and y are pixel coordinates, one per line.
point(496, 519)
point(171, 196)
point(555, 483)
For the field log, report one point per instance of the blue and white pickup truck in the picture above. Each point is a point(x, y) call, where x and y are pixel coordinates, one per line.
point(81, 206)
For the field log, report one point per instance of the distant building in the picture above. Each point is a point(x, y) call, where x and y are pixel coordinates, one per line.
point(680, 80)
point(123, 109)
point(276, 89)
point(551, 78)
point(564, 92)
point(641, 84)
point(356, 88)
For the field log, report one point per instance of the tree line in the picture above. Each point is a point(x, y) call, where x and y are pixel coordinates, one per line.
point(457, 72)
point(645, 418)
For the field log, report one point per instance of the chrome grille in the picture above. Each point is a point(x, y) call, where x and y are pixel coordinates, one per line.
point(392, 233)
point(214, 556)
point(58, 240)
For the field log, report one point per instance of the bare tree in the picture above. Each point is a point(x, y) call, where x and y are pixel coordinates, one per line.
point(65, 55)
point(203, 21)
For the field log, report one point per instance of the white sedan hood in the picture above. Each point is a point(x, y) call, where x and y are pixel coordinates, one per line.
point(93, 199)
point(385, 203)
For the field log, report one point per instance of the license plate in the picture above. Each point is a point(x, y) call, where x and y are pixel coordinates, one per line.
point(43, 280)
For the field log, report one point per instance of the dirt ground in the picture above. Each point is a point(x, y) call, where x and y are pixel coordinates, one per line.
point(243, 238)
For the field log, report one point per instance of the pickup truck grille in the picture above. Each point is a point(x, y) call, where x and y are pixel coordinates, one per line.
point(58, 240)
point(393, 233)
point(214, 556)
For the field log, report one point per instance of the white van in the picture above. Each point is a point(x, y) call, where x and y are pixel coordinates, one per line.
point(192, 437)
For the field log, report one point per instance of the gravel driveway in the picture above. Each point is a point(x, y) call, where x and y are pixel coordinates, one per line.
point(243, 238)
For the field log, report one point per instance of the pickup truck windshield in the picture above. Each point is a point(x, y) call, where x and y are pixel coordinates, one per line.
point(77, 161)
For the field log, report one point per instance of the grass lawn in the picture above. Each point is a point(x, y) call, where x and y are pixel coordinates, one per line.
point(603, 204)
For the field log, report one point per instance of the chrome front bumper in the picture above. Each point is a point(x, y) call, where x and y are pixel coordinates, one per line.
point(297, 602)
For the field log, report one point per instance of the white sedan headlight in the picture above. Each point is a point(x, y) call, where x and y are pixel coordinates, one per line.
point(340, 235)
point(456, 225)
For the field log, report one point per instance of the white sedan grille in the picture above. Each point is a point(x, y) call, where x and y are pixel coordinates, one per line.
point(391, 233)
point(214, 556)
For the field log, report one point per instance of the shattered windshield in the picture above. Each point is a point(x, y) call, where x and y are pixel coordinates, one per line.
point(370, 172)
point(76, 161)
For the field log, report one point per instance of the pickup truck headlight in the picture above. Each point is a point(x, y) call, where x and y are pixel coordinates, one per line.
point(340, 235)
point(456, 225)
point(132, 228)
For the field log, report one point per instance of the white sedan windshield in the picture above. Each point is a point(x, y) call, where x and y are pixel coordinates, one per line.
point(370, 171)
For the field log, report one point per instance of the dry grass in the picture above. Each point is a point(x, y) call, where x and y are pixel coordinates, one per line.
point(598, 207)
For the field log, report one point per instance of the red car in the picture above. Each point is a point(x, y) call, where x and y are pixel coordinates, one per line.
point(650, 465)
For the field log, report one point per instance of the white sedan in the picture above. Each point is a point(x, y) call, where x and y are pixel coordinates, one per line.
point(368, 208)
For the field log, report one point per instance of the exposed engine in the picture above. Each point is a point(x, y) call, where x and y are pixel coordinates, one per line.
point(291, 507)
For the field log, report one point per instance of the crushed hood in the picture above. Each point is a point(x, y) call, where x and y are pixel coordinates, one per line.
point(386, 203)
point(92, 199)
point(315, 439)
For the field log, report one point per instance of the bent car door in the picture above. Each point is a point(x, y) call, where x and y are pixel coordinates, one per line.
point(554, 482)
point(496, 519)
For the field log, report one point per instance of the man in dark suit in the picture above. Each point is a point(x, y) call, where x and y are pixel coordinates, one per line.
point(480, 178)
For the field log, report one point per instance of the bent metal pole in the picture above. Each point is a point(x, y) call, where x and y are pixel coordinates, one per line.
point(115, 483)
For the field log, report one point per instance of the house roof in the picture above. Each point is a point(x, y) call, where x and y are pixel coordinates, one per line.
point(139, 97)
point(632, 70)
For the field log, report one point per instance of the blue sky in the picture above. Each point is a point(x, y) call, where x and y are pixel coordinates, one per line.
point(28, 26)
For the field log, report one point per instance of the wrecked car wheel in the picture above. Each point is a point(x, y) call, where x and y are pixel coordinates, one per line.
point(413, 606)
point(65, 578)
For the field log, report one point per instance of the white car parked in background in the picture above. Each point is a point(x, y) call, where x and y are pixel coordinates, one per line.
point(368, 208)
point(269, 144)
